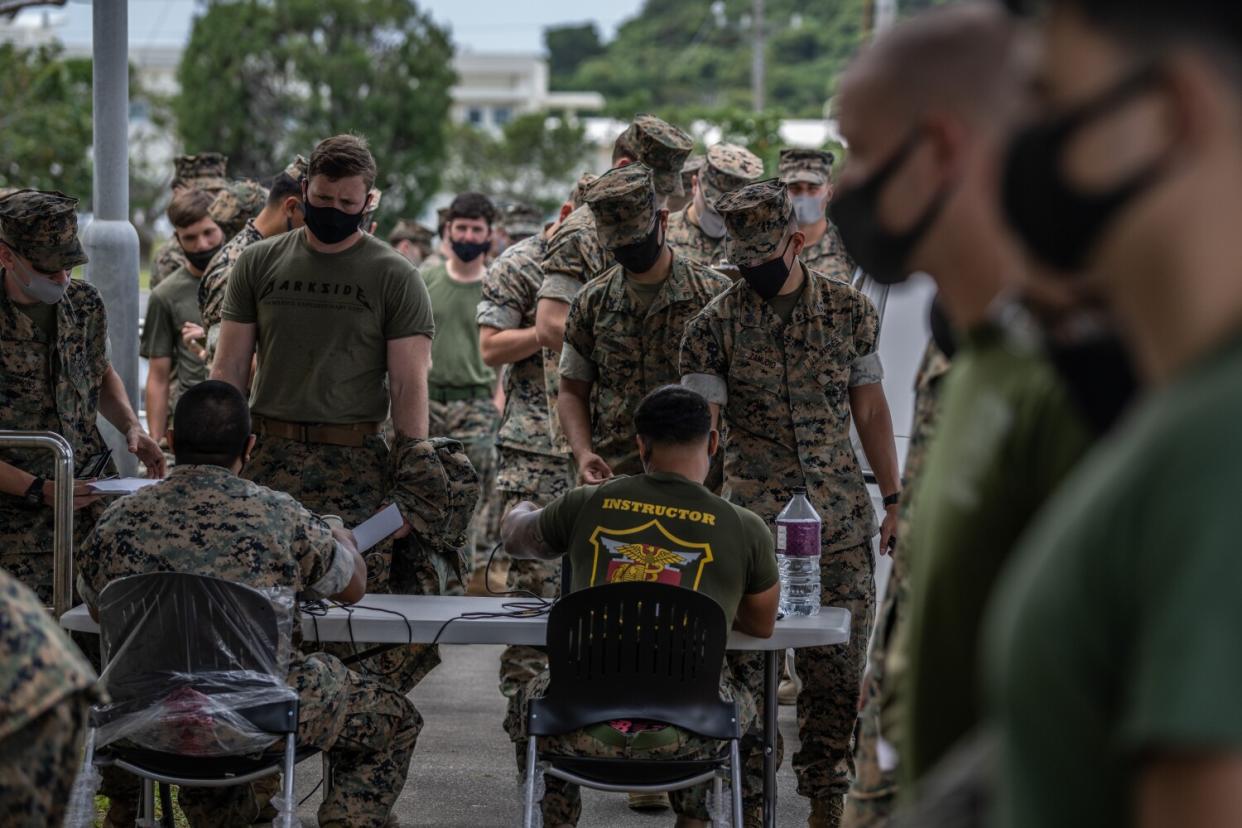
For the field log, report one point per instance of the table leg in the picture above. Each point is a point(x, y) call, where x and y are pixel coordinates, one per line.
point(771, 730)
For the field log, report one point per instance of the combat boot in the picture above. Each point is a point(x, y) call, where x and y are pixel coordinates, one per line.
point(826, 813)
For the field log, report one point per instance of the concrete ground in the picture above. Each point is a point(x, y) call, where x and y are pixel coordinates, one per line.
point(463, 773)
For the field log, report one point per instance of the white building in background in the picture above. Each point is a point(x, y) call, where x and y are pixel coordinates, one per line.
point(492, 89)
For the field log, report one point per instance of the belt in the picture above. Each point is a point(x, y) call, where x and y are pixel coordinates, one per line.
point(353, 435)
point(457, 393)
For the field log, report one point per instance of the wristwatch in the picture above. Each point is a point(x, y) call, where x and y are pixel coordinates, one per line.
point(893, 499)
point(34, 494)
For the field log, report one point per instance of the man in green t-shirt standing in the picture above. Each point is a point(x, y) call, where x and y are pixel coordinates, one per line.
point(1009, 432)
point(1113, 662)
point(695, 540)
point(344, 326)
point(461, 388)
point(172, 364)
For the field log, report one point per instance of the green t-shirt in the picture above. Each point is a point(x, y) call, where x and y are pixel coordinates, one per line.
point(324, 321)
point(662, 527)
point(783, 305)
point(1008, 435)
point(173, 302)
point(1114, 636)
point(456, 361)
point(43, 316)
point(642, 294)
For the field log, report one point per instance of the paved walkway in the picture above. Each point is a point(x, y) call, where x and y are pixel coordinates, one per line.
point(463, 774)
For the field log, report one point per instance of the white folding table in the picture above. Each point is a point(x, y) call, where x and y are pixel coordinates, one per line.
point(401, 619)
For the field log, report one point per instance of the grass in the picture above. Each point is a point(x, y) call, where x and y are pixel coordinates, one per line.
point(102, 803)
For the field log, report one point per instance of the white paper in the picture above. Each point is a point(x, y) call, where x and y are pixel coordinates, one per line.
point(377, 527)
point(885, 755)
point(121, 485)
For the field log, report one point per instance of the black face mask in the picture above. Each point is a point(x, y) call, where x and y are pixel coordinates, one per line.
point(201, 258)
point(469, 251)
point(641, 256)
point(881, 254)
point(328, 224)
point(1060, 224)
point(768, 278)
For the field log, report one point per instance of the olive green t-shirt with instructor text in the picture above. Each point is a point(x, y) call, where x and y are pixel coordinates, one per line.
point(323, 325)
point(664, 528)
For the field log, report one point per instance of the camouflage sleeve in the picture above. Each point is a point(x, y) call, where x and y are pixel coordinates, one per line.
point(326, 567)
point(574, 365)
point(703, 364)
point(866, 368)
point(572, 258)
point(503, 300)
point(559, 287)
point(580, 327)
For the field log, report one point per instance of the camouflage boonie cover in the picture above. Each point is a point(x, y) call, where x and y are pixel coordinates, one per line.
point(36, 395)
point(296, 168)
point(756, 217)
point(437, 489)
point(632, 355)
point(578, 193)
point(43, 227)
point(205, 171)
point(410, 230)
point(509, 290)
point(623, 201)
point(688, 239)
point(664, 148)
point(810, 165)
point(727, 167)
point(237, 204)
point(215, 282)
point(520, 220)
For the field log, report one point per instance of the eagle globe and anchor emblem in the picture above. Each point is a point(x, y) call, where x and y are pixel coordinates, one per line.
point(648, 553)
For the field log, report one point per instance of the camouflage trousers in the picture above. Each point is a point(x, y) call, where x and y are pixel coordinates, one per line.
point(350, 483)
point(367, 729)
point(27, 537)
point(562, 801)
point(539, 478)
point(473, 423)
point(39, 763)
point(831, 678)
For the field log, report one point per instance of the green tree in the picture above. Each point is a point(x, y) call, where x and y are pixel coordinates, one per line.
point(264, 79)
point(45, 121)
point(535, 158)
point(568, 47)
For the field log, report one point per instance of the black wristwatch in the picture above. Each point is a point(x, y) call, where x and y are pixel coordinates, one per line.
point(893, 499)
point(34, 494)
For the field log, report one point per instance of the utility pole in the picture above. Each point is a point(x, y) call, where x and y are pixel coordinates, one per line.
point(111, 241)
point(885, 14)
point(758, 68)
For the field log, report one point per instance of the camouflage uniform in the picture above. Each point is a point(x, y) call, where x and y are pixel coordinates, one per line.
point(574, 255)
point(46, 688)
point(521, 221)
point(872, 795)
point(214, 284)
point(207, 521)
point(624, 350)
point(205, 171)
point(827, 255)
point(784, 394)
point(47, 386)
point(413, 232)
point(726, 168)
point(237, 205)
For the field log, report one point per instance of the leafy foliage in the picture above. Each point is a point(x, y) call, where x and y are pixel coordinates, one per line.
point(262, 80)
point(568, 46)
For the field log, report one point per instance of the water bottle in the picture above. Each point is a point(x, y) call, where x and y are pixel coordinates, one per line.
point(798, 529)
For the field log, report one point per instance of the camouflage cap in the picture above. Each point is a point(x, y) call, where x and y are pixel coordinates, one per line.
point(690, 169)
point(520, 220)
point(726, 168)
point(410, 230)
point(373, 203)
point(623, 201)
point(42, 225)
point(756, 217)
point(205, 171)
point(810, 165)
point(441, 219)
point(664, 149)
point(577, 196)
point(237, 204)
point(297, 168)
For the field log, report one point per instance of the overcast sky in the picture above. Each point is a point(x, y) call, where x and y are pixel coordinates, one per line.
point(477, 25)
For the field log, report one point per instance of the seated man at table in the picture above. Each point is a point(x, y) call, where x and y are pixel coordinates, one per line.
point(204, 519)
point(662, 526)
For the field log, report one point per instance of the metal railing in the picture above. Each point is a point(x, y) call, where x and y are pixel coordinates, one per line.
point(62, 504)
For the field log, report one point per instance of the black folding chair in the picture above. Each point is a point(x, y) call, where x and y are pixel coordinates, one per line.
point(169, 631)
point(635, 651)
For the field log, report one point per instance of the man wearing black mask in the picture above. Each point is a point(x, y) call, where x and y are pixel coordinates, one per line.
point(788, 357)
point(173, 365)
point(461, 388)
point(624, 328)
point(919, 193)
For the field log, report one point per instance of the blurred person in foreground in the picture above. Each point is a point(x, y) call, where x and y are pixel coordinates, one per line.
point(1113, 672)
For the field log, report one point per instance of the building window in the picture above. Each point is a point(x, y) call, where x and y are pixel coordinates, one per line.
point(474, 116)
point(502, 115)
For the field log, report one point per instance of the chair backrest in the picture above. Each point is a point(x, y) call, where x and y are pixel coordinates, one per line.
point(636, 651)
point(191, 630)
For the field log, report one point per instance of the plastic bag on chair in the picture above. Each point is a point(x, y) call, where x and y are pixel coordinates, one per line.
point(81, 810)
point(190, 660)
